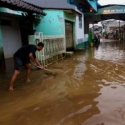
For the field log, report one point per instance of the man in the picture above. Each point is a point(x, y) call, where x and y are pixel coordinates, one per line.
point(22, 57)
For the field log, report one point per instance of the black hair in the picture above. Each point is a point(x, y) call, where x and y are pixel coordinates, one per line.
point(40, 44)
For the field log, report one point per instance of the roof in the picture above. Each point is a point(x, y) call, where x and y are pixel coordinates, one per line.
point(57, 5)
point(53, 4)
point(21, 5)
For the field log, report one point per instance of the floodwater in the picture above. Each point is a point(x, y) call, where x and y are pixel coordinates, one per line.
point(88, 89)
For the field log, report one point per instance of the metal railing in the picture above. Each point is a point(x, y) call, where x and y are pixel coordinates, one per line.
point(54, 48)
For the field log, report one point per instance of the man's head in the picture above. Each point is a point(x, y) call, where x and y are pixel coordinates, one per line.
point(40, 46)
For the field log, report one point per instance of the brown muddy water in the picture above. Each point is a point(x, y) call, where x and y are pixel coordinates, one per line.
point(88, 89)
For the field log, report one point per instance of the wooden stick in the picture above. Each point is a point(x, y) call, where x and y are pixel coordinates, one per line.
point(46, 70)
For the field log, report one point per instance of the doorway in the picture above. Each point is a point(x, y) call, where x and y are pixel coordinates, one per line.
point(10, 39)
point(69, 36)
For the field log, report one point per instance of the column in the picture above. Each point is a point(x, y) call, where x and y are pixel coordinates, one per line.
point(2, 60)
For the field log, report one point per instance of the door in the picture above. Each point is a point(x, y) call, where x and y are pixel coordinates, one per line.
point(10, 39)
point(69, 36)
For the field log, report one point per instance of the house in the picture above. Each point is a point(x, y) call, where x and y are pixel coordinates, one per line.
point(64, 18)
point(12, 30)
point(61, 20)
point(72, 14)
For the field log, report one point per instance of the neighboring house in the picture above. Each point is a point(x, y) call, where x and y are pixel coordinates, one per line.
point(59, 23)
point(11, 29)
point(64, 17)
point(87, 7)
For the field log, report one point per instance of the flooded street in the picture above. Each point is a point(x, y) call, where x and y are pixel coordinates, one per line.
point(88, 89)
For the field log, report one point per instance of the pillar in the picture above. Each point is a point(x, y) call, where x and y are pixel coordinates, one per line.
point(2, 60)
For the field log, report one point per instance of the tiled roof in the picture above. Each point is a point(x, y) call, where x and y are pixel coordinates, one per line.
point(21, 5)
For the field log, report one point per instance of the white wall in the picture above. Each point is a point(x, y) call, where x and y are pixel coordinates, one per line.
point(11, 38)
point(79, 31)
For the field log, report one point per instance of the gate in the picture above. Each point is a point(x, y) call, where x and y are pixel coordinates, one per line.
point(54, 48)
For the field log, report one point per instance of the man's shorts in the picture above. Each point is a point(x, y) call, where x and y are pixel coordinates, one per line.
point(17, 63)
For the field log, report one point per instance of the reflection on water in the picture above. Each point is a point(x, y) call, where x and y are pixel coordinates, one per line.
point(88, 89)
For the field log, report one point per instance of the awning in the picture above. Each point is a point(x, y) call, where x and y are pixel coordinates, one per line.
point(21, 5)
point(82, 5)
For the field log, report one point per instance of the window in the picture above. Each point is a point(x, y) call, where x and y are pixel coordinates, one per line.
point(80, 21)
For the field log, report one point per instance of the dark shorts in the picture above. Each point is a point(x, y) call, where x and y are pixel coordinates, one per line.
point(17, 63)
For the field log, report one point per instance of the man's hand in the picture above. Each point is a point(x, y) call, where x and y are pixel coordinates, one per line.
point(40, 67)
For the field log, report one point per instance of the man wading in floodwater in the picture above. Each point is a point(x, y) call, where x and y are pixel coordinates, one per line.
point(22, 57)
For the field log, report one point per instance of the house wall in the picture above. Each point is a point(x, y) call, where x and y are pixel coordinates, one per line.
point(52, 23)
point(51, 3)
point(11, 38)
point(79, 31)
point(10, 34)
point(69, 17)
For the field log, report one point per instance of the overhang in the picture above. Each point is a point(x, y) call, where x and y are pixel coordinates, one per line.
point(21, 6)
point(68, 10)
point(71, 11)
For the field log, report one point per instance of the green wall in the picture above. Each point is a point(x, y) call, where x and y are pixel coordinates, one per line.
point(52, 23)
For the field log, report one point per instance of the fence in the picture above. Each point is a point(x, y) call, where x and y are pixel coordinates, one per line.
point(54, 48)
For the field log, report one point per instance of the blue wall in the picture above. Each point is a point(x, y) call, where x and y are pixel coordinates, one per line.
point(52, 23)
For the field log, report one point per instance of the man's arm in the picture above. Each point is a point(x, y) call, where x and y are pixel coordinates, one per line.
point(35, 61)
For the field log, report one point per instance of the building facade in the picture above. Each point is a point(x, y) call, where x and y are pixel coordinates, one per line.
point(10, 27)
point(59, 18)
